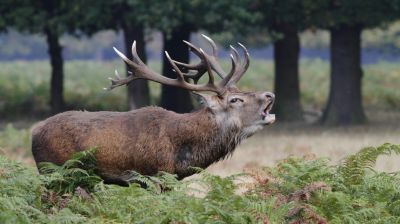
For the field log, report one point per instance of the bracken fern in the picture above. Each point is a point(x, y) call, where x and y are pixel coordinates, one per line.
point(294, 191)
point(354, 167)
point(76, 172)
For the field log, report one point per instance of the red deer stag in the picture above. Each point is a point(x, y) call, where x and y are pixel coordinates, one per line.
point(152, 139)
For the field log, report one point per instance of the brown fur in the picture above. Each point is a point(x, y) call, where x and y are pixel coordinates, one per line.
point(149, 149)
point(146, 140)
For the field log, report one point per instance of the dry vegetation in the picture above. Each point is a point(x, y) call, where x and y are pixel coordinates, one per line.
point(279, 141)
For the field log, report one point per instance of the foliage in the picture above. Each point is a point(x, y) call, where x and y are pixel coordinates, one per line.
point(112, 14)
point(338, 194)
point(38, 16)
point(356, 13)
point(76, 172)
point(19, 193)
point(214, 16)
point(295, 13)
point(295, 191)
point(278, 15)
point(327, 13)
point(354, 167)
point(165, 16)
point(276, 18)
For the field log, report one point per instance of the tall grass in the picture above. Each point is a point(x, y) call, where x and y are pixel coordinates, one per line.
point(24, 86)
point(16, 143)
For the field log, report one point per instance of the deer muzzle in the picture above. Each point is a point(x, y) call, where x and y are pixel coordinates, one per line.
point(266, 116)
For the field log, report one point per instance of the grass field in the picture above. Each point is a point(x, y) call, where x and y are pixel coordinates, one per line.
point(24, 86)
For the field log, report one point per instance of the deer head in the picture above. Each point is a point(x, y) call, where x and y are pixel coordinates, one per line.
point(248, 111)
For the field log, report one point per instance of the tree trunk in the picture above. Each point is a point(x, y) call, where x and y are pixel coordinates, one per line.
point(345, 101)
point(138, 90)
point(57, 72)
point(173, 98)
point(287, 89)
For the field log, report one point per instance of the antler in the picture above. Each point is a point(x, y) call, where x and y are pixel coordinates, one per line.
point(207, 64)
point(237, 71)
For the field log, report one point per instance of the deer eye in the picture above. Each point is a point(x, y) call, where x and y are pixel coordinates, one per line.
point(234, 100)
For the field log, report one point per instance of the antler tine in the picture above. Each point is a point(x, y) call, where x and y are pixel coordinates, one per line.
point(199, 66)
point(187, 66)
point(124, 58)
point(230, 79)
point(235, 54)
point(226, 79)
point(181, 76)
point(215, 65)
point(176, 69)
point(118, 81)
point(200, 70)
point(193, 48)
point(243, 67)
point(195, 75)
point(212, 59)
point(213, 45)
point(210, 75)
point(246, 57)
point(135, 56)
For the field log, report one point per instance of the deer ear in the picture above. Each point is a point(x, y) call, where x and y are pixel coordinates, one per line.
point(205, 99)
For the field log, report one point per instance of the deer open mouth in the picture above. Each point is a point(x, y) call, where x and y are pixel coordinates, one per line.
point(266, 116)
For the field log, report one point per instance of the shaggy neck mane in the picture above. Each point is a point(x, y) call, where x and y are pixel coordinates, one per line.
point(207, 140)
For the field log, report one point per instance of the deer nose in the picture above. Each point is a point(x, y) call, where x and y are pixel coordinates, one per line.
point(269, 96)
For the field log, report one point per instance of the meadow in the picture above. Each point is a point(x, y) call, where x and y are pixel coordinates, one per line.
point(24, 86)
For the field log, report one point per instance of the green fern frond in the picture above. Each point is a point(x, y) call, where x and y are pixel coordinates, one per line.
point(76, 172)
point(296, 190)
point(354, 167)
